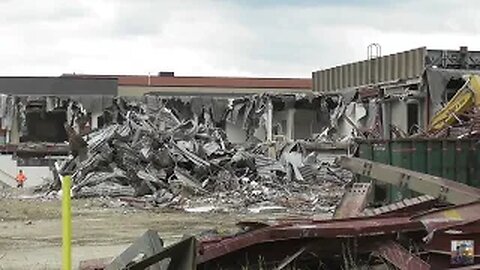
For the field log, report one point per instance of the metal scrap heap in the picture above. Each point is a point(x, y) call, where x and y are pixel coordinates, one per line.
point(167, 162)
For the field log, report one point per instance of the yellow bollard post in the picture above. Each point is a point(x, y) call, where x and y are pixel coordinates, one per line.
point(66, 224)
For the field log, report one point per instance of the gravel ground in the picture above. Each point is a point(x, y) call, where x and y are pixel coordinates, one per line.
point(30, 234)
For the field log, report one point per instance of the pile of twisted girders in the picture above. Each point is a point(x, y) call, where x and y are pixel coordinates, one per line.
point(445, 238)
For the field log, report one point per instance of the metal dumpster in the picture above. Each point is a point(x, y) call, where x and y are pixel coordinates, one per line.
point(455, 159)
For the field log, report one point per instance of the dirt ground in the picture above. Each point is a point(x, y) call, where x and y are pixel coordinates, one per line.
point(30, 229)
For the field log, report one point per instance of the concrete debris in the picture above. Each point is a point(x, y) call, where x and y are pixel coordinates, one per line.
point(267, 209)
point(201, 209)
point(154, 156)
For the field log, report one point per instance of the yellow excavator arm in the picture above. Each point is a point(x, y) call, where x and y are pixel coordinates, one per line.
point(467, 97)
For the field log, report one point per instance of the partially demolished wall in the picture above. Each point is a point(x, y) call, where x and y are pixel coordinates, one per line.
point(41, 118)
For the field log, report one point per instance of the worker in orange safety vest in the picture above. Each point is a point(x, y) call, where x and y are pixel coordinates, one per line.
point(21, 178)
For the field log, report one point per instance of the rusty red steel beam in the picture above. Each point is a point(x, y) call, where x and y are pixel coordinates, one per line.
point(451, 223)
point(400, 257)
point(462, 215)
point(451, 216)
point(464, 212)
point(344, 228)
point(439, 244)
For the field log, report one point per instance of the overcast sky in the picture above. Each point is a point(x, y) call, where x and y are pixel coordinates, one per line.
point(221, 38)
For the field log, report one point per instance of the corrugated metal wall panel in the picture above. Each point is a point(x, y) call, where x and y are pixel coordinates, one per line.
point(328, 78)
point(321, 79)
point(314, 82)
point(395, 66)
point(403, 65)
point(336, 74)
point(365, 72)
point(411, 65)
point(386, 68)
point(376, 68)
point(356, 74)
point(351, 76)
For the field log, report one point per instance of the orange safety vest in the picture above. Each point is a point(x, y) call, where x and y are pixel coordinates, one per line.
point(21, 178)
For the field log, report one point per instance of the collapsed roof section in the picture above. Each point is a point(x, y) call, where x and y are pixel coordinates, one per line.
point(293, 116)
point(400, 109)
point(41, 118)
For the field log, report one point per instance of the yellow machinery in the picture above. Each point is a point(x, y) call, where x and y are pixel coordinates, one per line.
point(467, 97)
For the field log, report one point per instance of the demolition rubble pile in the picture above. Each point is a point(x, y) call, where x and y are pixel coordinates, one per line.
point(156, 158)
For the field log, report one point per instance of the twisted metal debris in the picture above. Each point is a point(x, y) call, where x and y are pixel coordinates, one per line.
point(173, 163)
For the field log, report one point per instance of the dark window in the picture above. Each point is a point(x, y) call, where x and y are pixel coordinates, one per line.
point(412, 118)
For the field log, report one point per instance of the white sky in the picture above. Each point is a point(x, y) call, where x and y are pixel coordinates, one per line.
point(221, 38)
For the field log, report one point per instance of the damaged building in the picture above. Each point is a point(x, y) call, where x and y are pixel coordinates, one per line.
point(158, 146)
point(34, 109)
point(280, 117)
point(221, 99)
point(212, 99)
point(50, 101)
point(395, 95)
point(29, 104)
point(239, 145)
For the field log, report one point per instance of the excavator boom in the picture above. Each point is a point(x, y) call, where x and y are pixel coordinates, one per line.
point(467, 97)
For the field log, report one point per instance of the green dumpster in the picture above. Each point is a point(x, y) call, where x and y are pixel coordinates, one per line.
point(434, 160)
point(419, 155)
point(401, 156)
point(381, 153)
point(462, 156)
